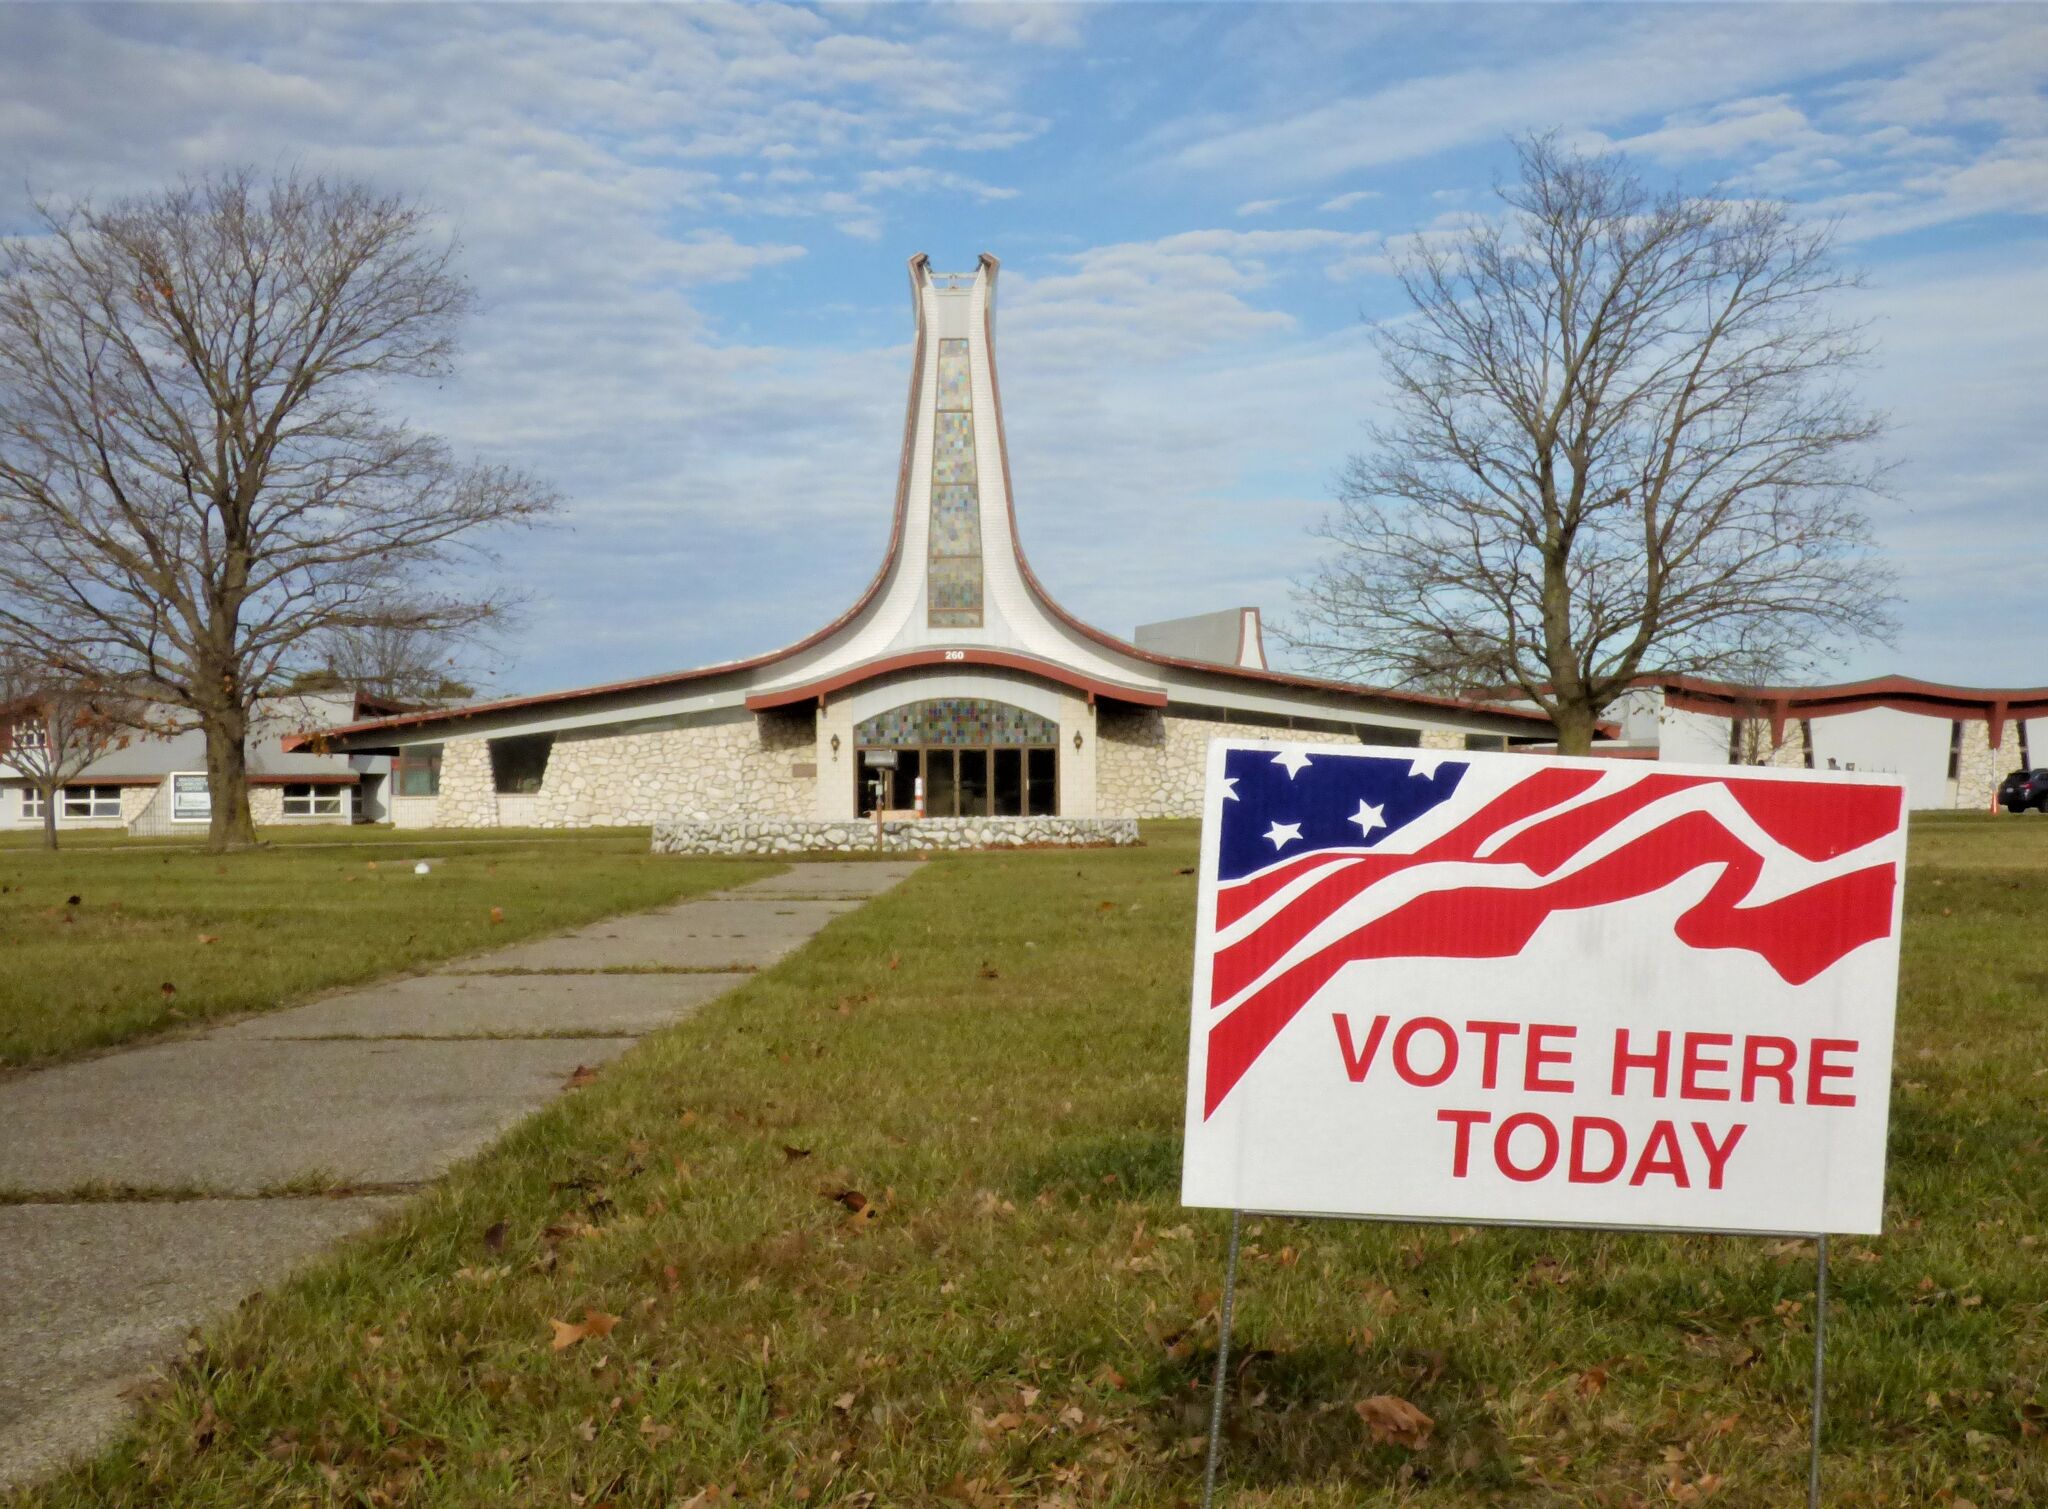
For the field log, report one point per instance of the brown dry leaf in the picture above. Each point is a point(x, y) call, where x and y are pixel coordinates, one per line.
point(580, 1076)
point(988, 972)
point(655, 1434)
point(566, 1334)
point(494, 1236)
point(852, 1199)
point(205, 938)
point(597, 1323)
point(497, 915)
point(1393, 1421)
point(794, 1154)
point(1592, 1381)
point(207, 1428)
point(895, 961)
point(844, 1403)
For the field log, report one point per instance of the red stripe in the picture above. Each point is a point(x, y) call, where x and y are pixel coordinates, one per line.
point(1797, 935)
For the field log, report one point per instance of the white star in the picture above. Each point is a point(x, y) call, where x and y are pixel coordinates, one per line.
point(1426, 764)
point(1368, 817)
point(1229, 784)
point(1282, 834)
point(1293, 759)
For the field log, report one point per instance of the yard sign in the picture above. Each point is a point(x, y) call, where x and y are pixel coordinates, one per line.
point(1495, 988)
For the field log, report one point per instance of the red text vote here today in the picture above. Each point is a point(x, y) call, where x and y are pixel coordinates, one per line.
point(1646, 1107)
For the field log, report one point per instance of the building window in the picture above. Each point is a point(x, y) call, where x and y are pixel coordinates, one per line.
point(92, 801)
point(191, 802)
point(306, 800)
point(953, 558)
point(417, 771)
point(28, 735)
point(31, 805)
point(1955, 749)
point(518, 766)
point(1486, 741)
point(976, 758)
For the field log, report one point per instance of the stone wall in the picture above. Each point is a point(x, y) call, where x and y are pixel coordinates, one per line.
point(469, 794)
point(855, 836)
point(1151, 765)
point(1981, 768)
point(761, 768)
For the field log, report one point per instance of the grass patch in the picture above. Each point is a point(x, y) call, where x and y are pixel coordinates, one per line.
point(320, 910)
point(895, 1223)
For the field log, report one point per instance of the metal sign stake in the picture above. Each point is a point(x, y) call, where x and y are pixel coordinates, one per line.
point(1820, 1335)
point(1222, 1367)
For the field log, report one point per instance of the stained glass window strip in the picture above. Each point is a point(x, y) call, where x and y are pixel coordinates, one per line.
point(955, 389)
point(958, 722)
point(953, 583)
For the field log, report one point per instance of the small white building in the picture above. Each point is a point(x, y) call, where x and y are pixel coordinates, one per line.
point(1953, 744)
point(155, 785)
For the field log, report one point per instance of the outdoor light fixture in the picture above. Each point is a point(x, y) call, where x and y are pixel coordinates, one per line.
point(1077, 741)
point(835, 746)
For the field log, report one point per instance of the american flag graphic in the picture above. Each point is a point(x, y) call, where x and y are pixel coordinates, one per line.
point(1326, 855)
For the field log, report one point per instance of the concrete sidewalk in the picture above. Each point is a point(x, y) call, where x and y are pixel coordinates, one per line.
point(186, 1148)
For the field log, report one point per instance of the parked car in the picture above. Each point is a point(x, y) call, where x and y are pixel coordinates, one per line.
point(2023, 789)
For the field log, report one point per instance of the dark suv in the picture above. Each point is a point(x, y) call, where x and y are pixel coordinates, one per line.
point(2023, 789)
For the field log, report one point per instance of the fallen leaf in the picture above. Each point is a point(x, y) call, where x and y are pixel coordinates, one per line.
point(1592, 1381)
point(209, 937)
point(844, 1403)
point(209, 1425)
point(169, 989)
point(1393, 1421)
point(582, 1075)
point(74, 901)
point(988, 972)
point(594, 1323)
point(497, 915)
point(852, 1199)
point(795, 1154)
point(494, 1236)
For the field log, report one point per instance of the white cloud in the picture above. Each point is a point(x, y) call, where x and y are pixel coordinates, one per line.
point(1254, 207)
point(1349, 201)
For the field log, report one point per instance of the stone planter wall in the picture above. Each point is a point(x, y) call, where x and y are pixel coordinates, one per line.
point(855, 836)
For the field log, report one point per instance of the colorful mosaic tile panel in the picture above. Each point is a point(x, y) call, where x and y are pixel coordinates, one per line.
point(961, 722)
point(953, 449)
point(954, 582)
point(955, 385)
point(956, 521)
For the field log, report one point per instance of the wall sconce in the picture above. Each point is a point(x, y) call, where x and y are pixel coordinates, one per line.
point(835, 746)
point(1077, 741)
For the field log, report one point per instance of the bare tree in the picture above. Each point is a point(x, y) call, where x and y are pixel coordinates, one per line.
point(1621, 440)
point(397, 663)
point(53, 725)
point(198, 478)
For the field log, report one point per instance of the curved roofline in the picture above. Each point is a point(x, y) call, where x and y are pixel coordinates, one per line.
point(942, 658)
point(1874, 686)
point(918, 265)
point(1152, 657)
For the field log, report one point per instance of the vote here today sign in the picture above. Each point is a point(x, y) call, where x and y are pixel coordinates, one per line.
point(1502, 988)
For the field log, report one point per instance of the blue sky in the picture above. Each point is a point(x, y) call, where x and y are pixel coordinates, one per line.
point(689, 227)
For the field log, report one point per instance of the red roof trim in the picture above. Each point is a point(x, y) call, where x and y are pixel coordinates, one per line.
point(680, 678)
point(1903, 693)
point(874, 587)
point(1122, 647)
point(941, 658)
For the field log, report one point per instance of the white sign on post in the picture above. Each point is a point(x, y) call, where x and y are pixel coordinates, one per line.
point(1496, 988)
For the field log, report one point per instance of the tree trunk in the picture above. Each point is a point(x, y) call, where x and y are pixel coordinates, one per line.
point(1575, 726)
point(230, 825)
point(50, 799)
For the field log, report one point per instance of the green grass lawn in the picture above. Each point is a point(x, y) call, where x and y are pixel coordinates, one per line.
point(987, 1063)
point(111, 938)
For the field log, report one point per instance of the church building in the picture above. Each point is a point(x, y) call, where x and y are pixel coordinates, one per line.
point(955, 686)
